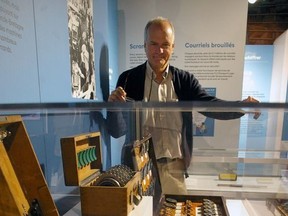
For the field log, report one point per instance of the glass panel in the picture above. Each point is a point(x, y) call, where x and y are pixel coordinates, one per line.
point(235, 158)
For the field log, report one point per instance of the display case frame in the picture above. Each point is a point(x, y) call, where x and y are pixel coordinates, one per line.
point(262, 164)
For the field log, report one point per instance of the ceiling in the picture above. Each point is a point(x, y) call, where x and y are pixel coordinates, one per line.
point(267, 19)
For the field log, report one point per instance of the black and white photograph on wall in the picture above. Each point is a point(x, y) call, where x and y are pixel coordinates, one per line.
point(81, 42)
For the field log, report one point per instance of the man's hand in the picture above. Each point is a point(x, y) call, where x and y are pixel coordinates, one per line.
point(118, 95)
point(250, 99)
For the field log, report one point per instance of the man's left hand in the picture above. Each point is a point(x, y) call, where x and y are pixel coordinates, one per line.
point(250, 99)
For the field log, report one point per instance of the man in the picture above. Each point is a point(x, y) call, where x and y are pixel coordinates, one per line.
point(157, 80)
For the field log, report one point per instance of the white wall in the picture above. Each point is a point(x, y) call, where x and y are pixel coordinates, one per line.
point(280, 69)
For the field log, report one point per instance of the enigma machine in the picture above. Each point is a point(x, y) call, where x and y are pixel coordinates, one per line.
point(113, 192)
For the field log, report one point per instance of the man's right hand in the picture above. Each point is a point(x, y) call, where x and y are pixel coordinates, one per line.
point(118, 95)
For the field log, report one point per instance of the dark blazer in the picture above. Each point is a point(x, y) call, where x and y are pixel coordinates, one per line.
point(187, 88)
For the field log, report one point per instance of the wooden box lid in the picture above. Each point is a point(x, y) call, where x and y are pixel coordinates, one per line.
point(81, 157)
point(22, 182)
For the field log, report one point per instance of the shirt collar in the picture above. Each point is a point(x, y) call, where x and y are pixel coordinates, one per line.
point(150, 71)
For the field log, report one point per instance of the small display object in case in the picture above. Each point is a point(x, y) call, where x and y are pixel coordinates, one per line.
point(113, 192)
point(144, 161)
point(189, 205)
point(24, 190)
point(278, 207)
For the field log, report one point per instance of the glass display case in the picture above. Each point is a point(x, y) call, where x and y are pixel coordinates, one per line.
point(242, 159)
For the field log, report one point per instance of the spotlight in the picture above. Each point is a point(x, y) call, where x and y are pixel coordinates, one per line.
point(252, 1)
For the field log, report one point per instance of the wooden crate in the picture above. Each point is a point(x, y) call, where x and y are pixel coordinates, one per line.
point(22, 184)
point(84, 170)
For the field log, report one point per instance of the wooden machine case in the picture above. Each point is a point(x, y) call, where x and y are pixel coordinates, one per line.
point(84, 170)
point(24, 190)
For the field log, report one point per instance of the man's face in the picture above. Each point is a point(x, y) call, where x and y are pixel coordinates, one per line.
point(159, 46)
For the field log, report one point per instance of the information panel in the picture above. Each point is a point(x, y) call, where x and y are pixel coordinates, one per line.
point(18, 52)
